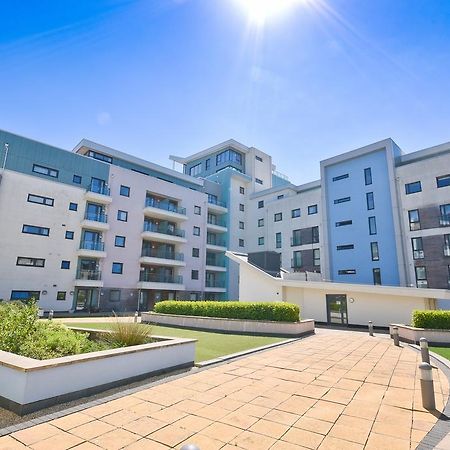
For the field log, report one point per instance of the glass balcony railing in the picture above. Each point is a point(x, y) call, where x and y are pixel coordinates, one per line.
point(92, 245)
point(215, 283)
point(218, 242)
point(213, 201)
point(218, 222)
point(164, 230)
point(96, 217)
point(89, 274)
point(295, 241)
point(99, 189)
point(165, 205)
point(215, 262)
point(160, 278)
point(296, 263)
point(444, 220)
point(162, 253)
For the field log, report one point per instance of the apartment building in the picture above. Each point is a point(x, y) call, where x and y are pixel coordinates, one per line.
point(98, 229)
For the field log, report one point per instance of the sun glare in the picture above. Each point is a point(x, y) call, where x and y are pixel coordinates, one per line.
point(259, 11)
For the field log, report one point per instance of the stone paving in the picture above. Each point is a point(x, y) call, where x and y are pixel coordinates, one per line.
point(340, 390)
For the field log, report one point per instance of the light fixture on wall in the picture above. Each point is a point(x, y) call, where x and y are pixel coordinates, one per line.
point(351, 300)
point(44, 292)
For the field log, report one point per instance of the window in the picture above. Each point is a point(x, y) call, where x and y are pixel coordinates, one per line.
point(69, 235)
point(45, 171)
point(228, 155)
point(114, 295)
point(295, 213)
point(347, 272)
point(340, 177)
point(30, 262)
point(417, 247)
point(412, 188)
point(443, 181)
point(278, 217)
point(279, 197)
point(40, 200)
point(197, 210)
point(117, 268)
point(414, 219)
point(31, 229)
point(316, 257)
point(368, 176)
point(195, 252)
point(195, 170)
point(207, 164)
point(194, 274)
point(61, 296)
point(241, 207)
point(261, 204)
point(65, 265)
point(343, 223)
point(296, 259)
point(76, 179)
point(278, 240)
point(241, 225)
point(374, 251)
point(25, 295)
point(315, 235)
point(312, 209)
point(99, 156)
point(445, 215)
point(261, 240)
point(446, 244)
point(345, 247)
point(124, 190)
point(258, 158)
point(73, 206)
point(372, 225)
point(241, 242)
point(122, 215)
point(376, 276)
point(260, 223)
point(421, 277)
point(119, 241)
point(370, 201)
point(296, 238)
point(241, 190)
point(258, 180)
point(196, 231)
point(212, 199)
point(342, 200)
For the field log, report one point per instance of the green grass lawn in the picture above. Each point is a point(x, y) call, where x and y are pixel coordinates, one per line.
point(209, 345)
point(443, 351)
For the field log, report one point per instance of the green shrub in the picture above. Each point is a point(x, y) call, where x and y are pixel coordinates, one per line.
point(125, 334)
point(439, 320)
point(279, 312)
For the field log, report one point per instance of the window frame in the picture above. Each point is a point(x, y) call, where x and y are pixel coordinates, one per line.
point(47, 171)
point(408, 187)
point(312, 209)
point(118, 236)
point(69, 235)
point(374, 251)
point(119, 214)
point(278, 217)
point(372, 225)
point(278, 240)
point(370, 201)
point(446, 179)
point(368, 180)
point(47, 234)
point(46, 201)
point(261, 222)
point(65, 264)
point(261, 240)
point(33, 260)
point(73, 206)
point(118, 265)
point(124, 190)
point(196, 231)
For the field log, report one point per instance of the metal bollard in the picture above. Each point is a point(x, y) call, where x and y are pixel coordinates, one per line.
point(395, 336)
point(427, 386)
point(370, 328)
point(50, 315)
point(136, 315)
point(190, 447)
point(424, 350)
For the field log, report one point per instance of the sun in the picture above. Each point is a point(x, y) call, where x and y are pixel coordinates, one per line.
point(259, 11)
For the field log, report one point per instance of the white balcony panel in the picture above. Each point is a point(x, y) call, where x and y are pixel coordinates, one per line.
point(97, 198)
point(161, 237)
point(161, 261)
point(151, 211)
point(84, 253)
point(95, 225)
point(89, 283)
point(216, 268)
point(160, 286)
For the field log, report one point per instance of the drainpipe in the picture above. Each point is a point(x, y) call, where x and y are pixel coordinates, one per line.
point(6, 156)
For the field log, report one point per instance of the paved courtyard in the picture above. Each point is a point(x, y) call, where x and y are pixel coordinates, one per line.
point(336, 390)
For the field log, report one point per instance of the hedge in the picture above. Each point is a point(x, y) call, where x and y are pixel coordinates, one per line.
point(439, 320)
point(278, 312)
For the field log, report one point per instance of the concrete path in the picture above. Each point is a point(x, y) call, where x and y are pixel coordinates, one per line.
point(336, 390)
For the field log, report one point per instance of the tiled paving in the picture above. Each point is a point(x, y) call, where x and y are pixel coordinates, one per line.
point(339, 390)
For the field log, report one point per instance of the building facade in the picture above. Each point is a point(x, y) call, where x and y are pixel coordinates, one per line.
point(96, 229)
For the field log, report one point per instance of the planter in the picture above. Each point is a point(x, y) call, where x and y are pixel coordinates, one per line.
point(412, 335)
point(27, 384)
point(235, 326)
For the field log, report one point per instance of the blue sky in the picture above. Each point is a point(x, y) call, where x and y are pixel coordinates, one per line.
point(160, 77)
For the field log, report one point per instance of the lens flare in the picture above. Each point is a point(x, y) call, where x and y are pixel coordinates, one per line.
point(259, 11)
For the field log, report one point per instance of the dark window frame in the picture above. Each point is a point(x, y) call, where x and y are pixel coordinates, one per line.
point(124, 191)
point(37, 228)
point(48, 171)
point(120, 237)
point(46, 201)
point(33, 260)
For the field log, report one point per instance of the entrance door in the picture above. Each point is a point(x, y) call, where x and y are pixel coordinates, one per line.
point(87, 300)
point(337, 309)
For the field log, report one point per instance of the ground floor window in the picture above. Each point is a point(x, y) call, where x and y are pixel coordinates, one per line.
point(25, 295)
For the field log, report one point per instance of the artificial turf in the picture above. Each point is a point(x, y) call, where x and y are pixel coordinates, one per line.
point(443, 351)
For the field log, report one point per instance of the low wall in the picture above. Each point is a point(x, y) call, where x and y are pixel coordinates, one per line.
point(237, 326)
point(412, 335)
point(28, 384)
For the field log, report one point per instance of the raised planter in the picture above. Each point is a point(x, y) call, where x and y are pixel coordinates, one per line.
point(28, 384)
point(236, 326)
point(412, 335)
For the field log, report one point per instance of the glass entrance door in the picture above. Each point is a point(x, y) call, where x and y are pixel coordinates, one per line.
point(87, 300)
point(337, 309)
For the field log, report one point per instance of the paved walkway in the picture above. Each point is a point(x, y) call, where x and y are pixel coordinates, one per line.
point(340, 390)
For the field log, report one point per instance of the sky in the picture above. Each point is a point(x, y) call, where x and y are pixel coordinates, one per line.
point(160, 77)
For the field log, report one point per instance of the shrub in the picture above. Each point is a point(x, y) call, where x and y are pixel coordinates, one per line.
point(279, 312)
point(431, 319)
point(125, 334)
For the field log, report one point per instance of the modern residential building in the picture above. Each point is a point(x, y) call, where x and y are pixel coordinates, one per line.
point(99, 229)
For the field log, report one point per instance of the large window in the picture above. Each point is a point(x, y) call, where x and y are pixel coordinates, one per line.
point(316, 257)
point(297, 259)
point(443, 181)
point(417, 248)
point(99, 156)
point(374, 251)
point(368, 176)
point(446, 244)
point(228, 155)
point(414, 219)
point(372, 225)
point(278, 240)
point(412, 188)
point(30, 262)
point(315, 235)
point(25, 295)
point(376, 276)
point(370, 201)
point(45, 171)
point(445, 215)
point(195, 170)
point(421, 277)
point(40, 200)
point(296, 238)
point(32, 229)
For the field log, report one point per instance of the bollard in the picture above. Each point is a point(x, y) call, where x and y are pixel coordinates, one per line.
point(370, 328)
point(190, 447)
point(424, 350)
point(427, 386)
point(136, 315)
point(50, 315)
point(395, 336)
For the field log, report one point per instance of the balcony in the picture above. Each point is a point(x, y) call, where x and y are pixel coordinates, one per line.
point(215, 265)
point(444, 220)
point(92, 249)
point(162, 257)
point(212, 285)
point(216, 225)
point(88, 278)
point(95, 221)
point(295, 242)
point(216, 245)
point(296, 263)
point(160, 282)
point(164, 210)
point(157, 233)
point(98, 194)
point(217, 206)
point(446, 251)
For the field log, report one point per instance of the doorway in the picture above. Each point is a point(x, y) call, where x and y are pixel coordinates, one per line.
point(337, 309)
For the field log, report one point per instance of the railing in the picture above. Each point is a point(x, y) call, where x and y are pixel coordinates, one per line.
point(96, 217)
point(148, 226)
point(92, 245)
point(215, 283)
point(104, 190)
point(160, 278)
point(446, 251)
point(218, 242)
point(218, 222)
point(212, 201)
point(295, 263)
point(89, 275)
point(165, 205)
point(444, 220)
point(295, 242)
point(162, 253)
point(214, 262)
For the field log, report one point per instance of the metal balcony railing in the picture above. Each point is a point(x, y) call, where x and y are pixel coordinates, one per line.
point(162, 253)
point(92, 245)
point(98, 189)
point(148, 226)
point(215, 283)
point(165, 205)
point(160, 278)
point(96, 217)
point(89, 274)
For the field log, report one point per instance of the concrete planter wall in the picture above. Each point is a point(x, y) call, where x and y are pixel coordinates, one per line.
point(238, 326)
point(28, 384)
point(412, 335)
